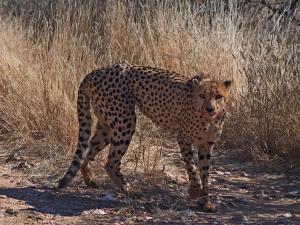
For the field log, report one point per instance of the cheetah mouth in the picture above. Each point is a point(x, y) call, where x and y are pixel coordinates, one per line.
point(210, 115)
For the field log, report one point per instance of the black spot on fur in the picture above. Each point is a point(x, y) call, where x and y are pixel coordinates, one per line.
point(205, 167)
point(201, 157)
point(208, 156)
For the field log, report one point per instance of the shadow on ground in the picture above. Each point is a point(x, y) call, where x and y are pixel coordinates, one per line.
point(56, 202)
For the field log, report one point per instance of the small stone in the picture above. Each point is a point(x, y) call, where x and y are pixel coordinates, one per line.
point(99, 212)
point(220, 173)
point(3, 196)
point(240, 218)
point(244, 218)
point(86, 212)
point(227, 173)
point(148, 218)
point(212, 180)
point(95, 211)
point(287, 215)
point(245, 174)
point(109, 198)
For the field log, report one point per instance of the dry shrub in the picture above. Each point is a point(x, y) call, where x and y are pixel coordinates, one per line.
point(46, 48)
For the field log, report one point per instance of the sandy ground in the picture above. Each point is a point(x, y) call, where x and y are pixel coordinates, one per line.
point(244, 193)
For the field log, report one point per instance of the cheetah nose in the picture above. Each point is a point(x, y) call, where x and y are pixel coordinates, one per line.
point(210, 109)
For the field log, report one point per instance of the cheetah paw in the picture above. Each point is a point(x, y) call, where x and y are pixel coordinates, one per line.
point(209, 207)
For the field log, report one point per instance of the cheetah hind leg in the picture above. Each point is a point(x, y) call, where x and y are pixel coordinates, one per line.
point(97, 143)
point(113, 170)
point(119, 145)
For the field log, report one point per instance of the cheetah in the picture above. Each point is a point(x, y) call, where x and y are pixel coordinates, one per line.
point(192, 108)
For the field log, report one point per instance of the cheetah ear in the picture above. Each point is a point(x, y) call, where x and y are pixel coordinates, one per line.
point(227, 83)
point(196, 80)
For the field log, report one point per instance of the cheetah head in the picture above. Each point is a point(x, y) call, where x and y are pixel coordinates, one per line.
point(209, 97)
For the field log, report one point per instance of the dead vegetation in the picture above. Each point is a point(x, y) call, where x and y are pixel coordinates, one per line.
point(46, 47)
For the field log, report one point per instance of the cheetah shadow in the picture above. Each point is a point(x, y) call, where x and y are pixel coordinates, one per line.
point(74, 201)
point(58, 202)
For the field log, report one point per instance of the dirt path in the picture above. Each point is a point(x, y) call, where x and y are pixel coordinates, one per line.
point(244, 195)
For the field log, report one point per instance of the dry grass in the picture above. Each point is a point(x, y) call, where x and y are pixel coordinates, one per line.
point(46, 49)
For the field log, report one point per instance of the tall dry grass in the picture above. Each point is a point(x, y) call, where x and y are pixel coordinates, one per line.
point(47, 47)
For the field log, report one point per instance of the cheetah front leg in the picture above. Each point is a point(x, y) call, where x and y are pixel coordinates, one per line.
point(195, 187)
point(204, 154)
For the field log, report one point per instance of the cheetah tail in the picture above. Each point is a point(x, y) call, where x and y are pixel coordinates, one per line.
point(85, 121)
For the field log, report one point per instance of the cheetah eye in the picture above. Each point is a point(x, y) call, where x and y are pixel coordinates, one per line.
point(219, 97)
point(202, 95)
